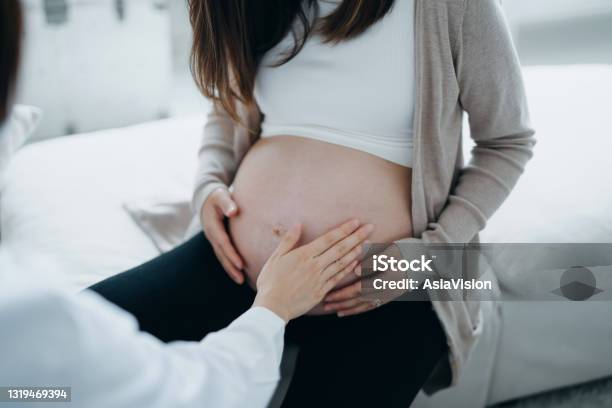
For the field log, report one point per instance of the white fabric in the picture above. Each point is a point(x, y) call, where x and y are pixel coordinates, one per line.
point(358, 93)
point(63, 204)
point(164, 222)
point(16, 131)
point(51, 338)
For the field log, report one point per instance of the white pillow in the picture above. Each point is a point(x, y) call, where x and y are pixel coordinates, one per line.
point(164, 222)
point(16, 131)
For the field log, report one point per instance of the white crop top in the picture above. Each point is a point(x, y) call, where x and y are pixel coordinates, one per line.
point(357, 93)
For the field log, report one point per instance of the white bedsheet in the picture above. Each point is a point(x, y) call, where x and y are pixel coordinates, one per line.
point(62, 207)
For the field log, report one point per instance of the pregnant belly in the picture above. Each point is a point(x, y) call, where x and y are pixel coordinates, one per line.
point(287, 180)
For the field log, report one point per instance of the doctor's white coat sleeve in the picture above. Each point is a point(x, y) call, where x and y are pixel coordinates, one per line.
point(53, 339)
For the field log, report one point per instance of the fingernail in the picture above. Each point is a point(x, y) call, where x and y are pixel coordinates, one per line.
point(358, 270)
point(355, 223)
point(369, 228)
point(340, 314)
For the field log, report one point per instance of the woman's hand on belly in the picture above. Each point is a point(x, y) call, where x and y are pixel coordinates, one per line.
point(216, 207)
point(351, 299)
point(293, 281)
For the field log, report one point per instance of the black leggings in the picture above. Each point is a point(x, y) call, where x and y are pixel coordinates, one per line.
point(380, 358)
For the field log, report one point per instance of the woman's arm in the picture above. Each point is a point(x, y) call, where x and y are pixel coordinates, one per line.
point(217, 163)
point(223, 144)
point(493, 94)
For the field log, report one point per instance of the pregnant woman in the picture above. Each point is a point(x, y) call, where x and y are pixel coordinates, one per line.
point(325, 110)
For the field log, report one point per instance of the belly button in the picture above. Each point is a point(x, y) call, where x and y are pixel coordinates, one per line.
point(278, 230)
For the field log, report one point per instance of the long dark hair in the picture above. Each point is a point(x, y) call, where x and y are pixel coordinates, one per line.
point(230, 37)
point(10, 42)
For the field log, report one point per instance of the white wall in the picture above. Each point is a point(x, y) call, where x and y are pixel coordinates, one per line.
point(562, 31)
point(93, 68)
point(538, 11)
point(105, 73)
point(181, 34)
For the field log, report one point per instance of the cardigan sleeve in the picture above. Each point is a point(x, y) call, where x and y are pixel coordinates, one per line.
point(492, 92)
point(217, 161)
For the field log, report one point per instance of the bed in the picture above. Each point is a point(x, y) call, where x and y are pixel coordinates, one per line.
point(65, 198)
point(64, 214)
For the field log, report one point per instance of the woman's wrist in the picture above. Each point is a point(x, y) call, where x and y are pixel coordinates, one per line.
point(272, 305)
point(203, 193)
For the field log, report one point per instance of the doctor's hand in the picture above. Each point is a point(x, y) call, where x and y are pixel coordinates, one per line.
point(293, 281)
point(217, 206)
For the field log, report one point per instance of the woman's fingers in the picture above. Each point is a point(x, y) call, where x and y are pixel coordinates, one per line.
point(335, 279)
point(360, 308)
point(343, 247)
point(217, 206)
point(233, 272)
point(289, 240)
point(341, 263)
point(228, 249)
point(228, 208)
point(230, 269)
point(326, 241)
point(341, 306)
point(220, 237)
point(348, 292)
point(225, 203)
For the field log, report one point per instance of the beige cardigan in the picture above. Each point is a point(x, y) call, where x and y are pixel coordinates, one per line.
point(465, 62)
